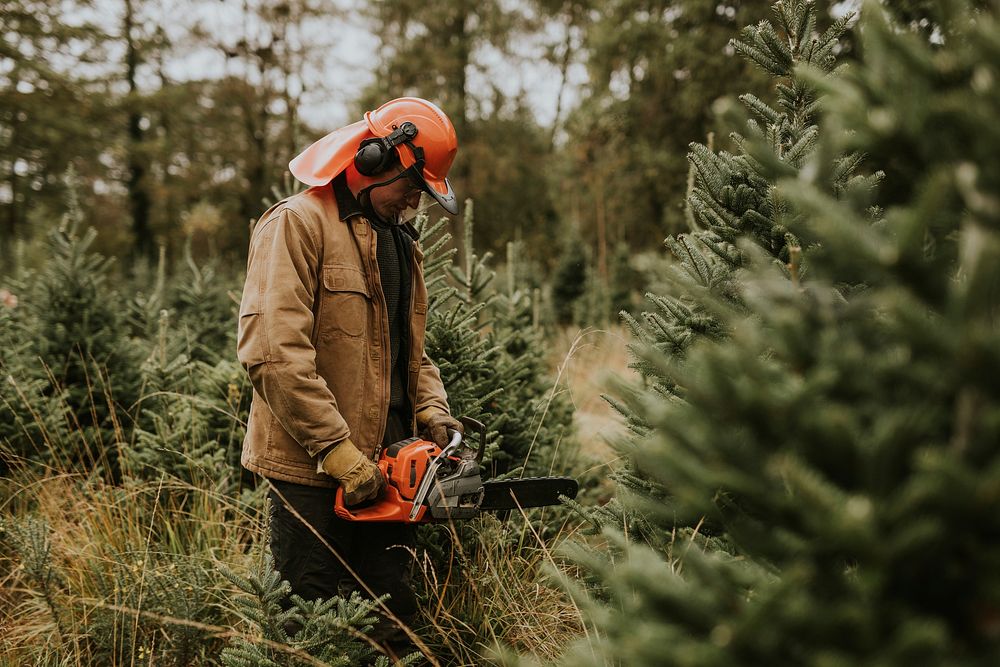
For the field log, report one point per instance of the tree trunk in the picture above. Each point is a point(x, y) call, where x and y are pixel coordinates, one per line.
point(10, 224)
point(602, 233)
point(138, 196)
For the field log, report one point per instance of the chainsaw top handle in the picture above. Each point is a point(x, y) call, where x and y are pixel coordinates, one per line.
point(474, 426)
point(430, 473)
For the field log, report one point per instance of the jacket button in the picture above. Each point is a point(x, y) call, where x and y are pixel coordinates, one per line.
point(375, 353)
point(414, 366)
point(420, 308)
point(372, 413)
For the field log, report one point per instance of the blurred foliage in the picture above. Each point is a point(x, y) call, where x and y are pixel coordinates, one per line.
point(839, 428)
point(92, 87)
point(166, 151)
point(441, 50)
point(655, 68)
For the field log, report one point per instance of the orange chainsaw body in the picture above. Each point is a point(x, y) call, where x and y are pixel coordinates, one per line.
point(403, 467)
point(425, 482)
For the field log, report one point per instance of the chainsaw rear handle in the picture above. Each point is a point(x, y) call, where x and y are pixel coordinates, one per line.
point(391, 505)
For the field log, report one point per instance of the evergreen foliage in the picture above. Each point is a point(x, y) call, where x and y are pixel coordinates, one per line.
point(491, 356)
point(324, 632)
point(34, 419)
point(844, 433)
point(655, 69)
point(71, 342)
point(175, 434)
point(188, 422)
point(733, 195)
point(569, 280)
point(139, 596)
point(30, 540)
point(77, 391)
point(733, 201)
point(490, 349)
point(624, 281)
point(141, 593)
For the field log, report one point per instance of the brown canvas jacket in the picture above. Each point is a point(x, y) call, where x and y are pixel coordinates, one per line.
point(314, 338)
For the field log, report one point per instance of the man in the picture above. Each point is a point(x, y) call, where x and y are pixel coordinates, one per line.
point(331, 333)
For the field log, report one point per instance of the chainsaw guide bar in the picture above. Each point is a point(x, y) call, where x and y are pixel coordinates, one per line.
point(510, 494)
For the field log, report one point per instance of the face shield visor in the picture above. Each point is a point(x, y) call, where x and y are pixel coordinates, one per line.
point(427, 199)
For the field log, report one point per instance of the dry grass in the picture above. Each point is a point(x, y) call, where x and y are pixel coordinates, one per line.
point(584, 361)
point(497, 595)
point(96, 532)
point(496, 591)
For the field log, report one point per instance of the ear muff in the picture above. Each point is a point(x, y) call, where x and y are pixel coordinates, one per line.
point(374, 155)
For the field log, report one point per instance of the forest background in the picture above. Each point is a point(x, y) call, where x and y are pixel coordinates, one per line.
point(179, 118)
point(805, 462)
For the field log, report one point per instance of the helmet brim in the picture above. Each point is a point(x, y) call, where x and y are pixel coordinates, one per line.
point(442, 193)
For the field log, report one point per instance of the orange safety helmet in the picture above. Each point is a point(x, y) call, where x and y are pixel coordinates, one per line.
point(428, 155)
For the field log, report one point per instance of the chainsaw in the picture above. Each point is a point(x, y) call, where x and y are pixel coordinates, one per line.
point(427, 483)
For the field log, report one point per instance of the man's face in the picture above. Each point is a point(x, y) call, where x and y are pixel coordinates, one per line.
point(392, 199)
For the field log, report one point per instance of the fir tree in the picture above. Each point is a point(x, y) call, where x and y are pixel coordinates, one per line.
point(533, 414)
point(570, 278)
point(734, 202)
point(326, 632)
point(205, 309)
point(491, 358)
point(493, 363)
point(30, 540)
point(844, 433)
point(733, 195)
point(193, 392)
point(172, 435)
point(74, 351)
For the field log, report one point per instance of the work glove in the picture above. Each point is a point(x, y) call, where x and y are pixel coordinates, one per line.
point(436, 424)
point(361, 478)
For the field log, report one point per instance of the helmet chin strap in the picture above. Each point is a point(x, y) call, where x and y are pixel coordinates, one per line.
point(365, 199)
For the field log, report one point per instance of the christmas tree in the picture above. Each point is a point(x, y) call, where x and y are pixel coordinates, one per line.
point(843, 433)
point(733, 201)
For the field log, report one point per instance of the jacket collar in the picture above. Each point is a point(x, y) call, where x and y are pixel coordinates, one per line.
point(349, 206)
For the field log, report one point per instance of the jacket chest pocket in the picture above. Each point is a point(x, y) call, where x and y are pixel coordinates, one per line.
point(344, 305)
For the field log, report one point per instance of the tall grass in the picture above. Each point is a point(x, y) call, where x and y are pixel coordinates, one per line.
point(126, 535)
point(96, 573)
point(127, 572)
point(495, 593)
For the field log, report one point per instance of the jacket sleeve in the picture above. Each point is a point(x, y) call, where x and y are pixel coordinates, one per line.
point(274, 341)
point(430, 390)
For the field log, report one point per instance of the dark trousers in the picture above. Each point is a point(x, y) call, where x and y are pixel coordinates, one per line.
point(379, 553)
